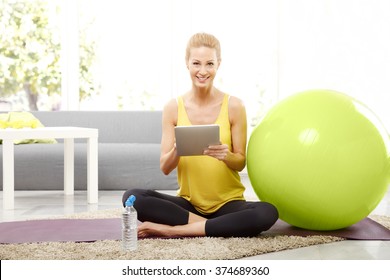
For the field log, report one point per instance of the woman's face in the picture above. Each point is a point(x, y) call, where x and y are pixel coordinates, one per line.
point(203, 65)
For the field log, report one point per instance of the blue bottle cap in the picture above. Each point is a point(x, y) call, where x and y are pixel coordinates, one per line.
point(130, 201)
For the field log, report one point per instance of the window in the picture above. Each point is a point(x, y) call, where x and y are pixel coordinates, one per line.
point(129, 55)
point(30, 76)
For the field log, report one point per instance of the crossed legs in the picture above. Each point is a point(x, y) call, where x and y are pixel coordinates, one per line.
point(172, 216)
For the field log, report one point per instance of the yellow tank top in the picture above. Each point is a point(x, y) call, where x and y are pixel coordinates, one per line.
point(204, 181)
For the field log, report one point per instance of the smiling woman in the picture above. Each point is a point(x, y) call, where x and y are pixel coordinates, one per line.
point(203, 56)
point(210, 200)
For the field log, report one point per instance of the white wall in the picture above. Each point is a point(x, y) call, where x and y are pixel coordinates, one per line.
point(337, 44)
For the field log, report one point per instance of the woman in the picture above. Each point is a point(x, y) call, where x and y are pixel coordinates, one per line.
point(210, 200)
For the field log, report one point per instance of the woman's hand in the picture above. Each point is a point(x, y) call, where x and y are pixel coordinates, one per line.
point(219, 152)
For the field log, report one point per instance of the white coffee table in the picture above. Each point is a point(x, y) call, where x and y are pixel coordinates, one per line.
point(8, 136)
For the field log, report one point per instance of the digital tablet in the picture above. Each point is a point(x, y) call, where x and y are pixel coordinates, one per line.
point(192, 140)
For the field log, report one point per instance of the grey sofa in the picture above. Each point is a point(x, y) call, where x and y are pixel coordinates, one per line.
point(128, 153)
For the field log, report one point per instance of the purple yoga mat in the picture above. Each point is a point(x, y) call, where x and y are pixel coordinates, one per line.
point(77, 230)
point(366, 229)
point(89, 230)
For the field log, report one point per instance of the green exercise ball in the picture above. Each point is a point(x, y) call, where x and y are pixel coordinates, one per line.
point(322, 158)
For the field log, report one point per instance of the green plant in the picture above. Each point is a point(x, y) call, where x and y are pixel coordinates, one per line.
point(30, 51)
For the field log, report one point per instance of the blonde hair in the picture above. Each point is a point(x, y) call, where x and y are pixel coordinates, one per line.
point(203, 40)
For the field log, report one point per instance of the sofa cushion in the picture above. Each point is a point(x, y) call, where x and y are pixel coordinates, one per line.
point(114, 126)
point(125, 166)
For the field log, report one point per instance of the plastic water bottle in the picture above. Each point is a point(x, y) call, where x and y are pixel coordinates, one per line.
point(129, 226)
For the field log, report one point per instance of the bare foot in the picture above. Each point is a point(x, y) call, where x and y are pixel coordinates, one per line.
point(148, 229)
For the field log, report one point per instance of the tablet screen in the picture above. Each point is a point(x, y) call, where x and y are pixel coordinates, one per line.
point(192, 140)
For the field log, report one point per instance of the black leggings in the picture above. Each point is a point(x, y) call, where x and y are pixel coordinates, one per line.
point(237, 218)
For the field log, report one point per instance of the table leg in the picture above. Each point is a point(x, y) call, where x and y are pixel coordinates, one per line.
point(69, 166)
point(92, 170)
point(8, 174)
